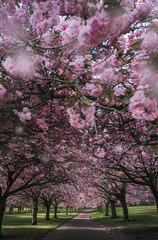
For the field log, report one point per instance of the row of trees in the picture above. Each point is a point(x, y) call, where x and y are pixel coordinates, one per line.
point(78, 95)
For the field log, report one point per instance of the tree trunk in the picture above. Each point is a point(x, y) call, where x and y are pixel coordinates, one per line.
point(2, 210)
point(106, 209)
point(125, 209)
point(113, 209)
point(55, 210)
point(34, 213)
point(156, 199)
point(67, 210)
point(47, 212)
point(19, 209)
point(155, 193)
point(10, 209)
point(100, 208)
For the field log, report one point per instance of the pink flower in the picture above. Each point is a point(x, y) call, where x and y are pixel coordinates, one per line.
point(2, 91)
point(150, 40)
point(42, 124)
point(20, 66)
point(120, 91)
point(92, 89)
point(24, 115)
point(143, 107)
point(71, 30)
point(39, 21)
point(29, 155)
point(100, 27)
point(18, 93)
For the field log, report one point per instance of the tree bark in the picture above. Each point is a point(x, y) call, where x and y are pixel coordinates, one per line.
point(34, 213)
point(67, 210)
point(19, 209)
point(155, 194)
point(125, 209)
point(107, 209)
point(113, 209)
point(100, 208)
point(10, 209)
point(2, 210)
point(47, 212)
point(55, 210)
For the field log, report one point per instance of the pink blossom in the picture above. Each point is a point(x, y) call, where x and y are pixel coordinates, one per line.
point(29, 155)
point(75, 120)
point(42, 124)
point(89, 113)
point(150, 40)
point(143, 107)
point(101, 27)
point(41, 9)
point(92, 89)
point(24, 115)
point(71, 30)
point(21, 66)
point(2, 91)
point(120, 91)
point(18, 93)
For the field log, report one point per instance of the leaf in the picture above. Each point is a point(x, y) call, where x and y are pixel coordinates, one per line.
point(114, 7)
point(17, 3)
point(155, 149)
point(93, 1)
point(70, 102)
point(10, 51)
point(150, 94)
point(137, 42)
point(106, 92)
point(72, 66)
point(126, 97)
point(123, 71)
point(142, 60)
point(146, 149)
point(85, 102)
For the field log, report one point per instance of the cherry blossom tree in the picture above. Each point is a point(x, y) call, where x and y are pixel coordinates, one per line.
point(70, 72)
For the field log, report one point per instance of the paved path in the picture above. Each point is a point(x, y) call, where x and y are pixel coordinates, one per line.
point(80, 227)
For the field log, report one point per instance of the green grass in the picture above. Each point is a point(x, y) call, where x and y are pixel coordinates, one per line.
point(143, 224)
point(17, 226)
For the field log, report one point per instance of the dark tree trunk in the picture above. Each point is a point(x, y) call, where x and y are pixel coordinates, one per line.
point(125, 209)
point(113, 209)
point(107, 209)
point(34, 213)
point(75, 209)
point(47, 212)
point(100, 208)
point(10, 209)
point(67, 210)
point(19, 209)
point(55, 210)
point(2, 210)
point(156, 199)
point(155, 193)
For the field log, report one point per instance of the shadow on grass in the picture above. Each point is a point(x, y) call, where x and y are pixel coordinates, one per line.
point(26, 231)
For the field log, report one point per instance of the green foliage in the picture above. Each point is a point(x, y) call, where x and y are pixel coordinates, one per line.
point(143, 224)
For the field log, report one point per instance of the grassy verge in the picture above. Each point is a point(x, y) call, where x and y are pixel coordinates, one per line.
point(144, 224)
point(17, 226)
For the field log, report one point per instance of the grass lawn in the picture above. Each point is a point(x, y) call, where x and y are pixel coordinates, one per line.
point(144, 225)
point(17, 226)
